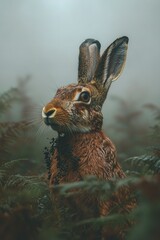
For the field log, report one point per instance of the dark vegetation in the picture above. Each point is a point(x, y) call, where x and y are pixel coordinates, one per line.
point(26, 208)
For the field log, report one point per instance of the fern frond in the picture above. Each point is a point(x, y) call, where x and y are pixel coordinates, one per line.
point(34, 185)
point(110, 220)
point(8, 168)
point(102, 189)
point(89, 184)
point(144, 164)
point(9, 133)
point(10, 165)
point(7, 98)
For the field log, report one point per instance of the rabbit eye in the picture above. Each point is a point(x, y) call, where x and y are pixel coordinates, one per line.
point(84, 96)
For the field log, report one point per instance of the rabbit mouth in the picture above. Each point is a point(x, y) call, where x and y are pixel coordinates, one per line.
point(66, 128)
point(53, 125)
point(50, 123)
point(47, 121)
point(64, 125)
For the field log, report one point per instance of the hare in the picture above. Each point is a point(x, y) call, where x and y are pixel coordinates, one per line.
point(75, 113)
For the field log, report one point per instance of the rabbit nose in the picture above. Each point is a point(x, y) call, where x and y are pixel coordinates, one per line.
point(48, 114)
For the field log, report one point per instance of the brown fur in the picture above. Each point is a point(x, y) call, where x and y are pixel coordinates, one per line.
point(96, 154)
point(82, 148)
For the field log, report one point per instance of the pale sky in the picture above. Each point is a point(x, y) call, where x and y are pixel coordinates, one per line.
point(42, 37)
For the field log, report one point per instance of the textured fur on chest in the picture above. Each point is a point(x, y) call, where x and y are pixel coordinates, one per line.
point(80, 155)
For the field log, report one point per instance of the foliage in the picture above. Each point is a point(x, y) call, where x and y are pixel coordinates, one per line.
point(144, 164)
point(28, 210)
point(131, 131)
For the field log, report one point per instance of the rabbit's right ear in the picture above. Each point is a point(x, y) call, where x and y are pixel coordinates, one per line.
point(89, 54)
point(112, 62)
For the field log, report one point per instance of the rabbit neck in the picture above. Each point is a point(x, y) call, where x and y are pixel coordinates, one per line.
point(79, 144)
point(83, 154)
point(70, 138)
point(71, 146)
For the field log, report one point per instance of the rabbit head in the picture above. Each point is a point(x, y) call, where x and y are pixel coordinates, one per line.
point(77, 107)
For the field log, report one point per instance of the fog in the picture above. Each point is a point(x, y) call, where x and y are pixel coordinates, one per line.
point(41, 38)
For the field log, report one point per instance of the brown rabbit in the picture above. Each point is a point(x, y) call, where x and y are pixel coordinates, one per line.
point(75, 113)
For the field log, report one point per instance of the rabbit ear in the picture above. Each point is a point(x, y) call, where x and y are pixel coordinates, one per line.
point(112, 62)
point(88, 60)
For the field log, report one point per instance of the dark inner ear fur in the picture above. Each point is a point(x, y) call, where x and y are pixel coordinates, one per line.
point(89, 54)
point(101, 71)
point(112, 62)
point(110, 67)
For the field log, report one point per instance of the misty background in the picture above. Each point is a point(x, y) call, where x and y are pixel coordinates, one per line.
point(41, 38)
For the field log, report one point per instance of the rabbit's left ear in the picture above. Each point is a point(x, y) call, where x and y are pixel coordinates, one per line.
point(112, 62)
